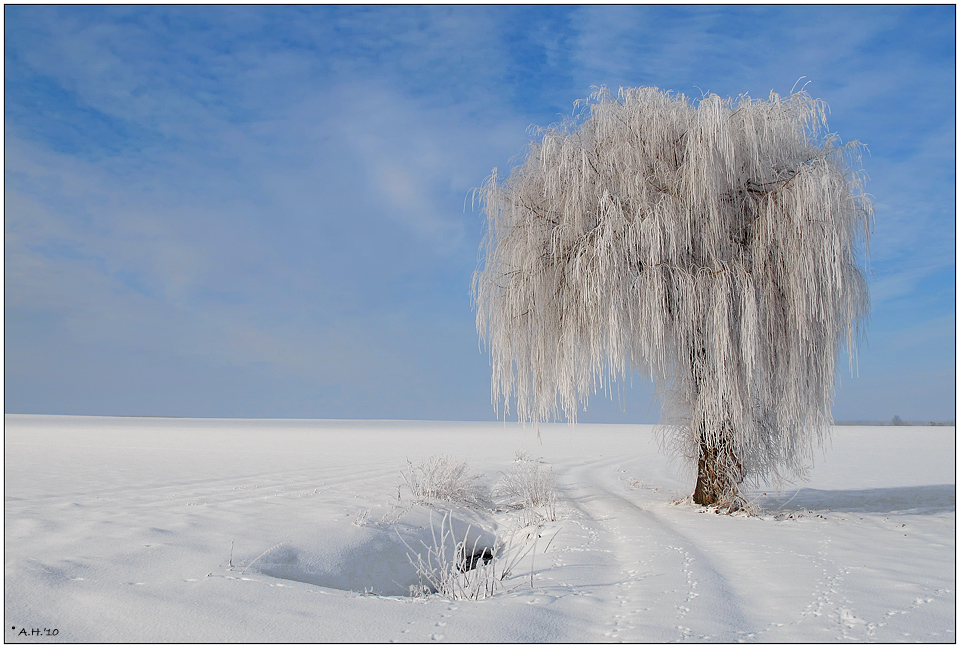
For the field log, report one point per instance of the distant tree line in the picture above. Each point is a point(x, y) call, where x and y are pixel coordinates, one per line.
point(896, 420)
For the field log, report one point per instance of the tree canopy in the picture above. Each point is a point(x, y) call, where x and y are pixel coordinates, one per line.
point(713, 245)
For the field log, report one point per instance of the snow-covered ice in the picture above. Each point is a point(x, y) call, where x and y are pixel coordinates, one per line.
point(179, 530)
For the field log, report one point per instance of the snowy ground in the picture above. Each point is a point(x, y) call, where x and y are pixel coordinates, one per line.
point(177, 530)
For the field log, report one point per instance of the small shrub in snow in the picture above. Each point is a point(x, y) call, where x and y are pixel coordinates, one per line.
point(463, 568)
point(529, 487)
point(275, 547)
point(446, 479)
point(363, 516)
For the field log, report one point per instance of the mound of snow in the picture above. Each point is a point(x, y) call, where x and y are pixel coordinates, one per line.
point(376, 558)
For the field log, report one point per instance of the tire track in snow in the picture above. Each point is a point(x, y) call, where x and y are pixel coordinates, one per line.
point(650, 554)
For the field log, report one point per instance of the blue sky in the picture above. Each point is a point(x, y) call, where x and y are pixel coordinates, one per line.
point(265, 211)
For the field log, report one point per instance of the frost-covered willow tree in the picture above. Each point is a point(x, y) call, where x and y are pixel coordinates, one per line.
point(713, 245)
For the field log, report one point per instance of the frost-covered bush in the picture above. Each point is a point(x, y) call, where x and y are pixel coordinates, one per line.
point(529, 487)
point(460, 565)
point(446, 479)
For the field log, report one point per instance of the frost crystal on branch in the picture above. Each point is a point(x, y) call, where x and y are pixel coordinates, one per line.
point(712, 245)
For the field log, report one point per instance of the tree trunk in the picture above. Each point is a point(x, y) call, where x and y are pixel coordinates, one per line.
point(719, 473)
point(719, 470)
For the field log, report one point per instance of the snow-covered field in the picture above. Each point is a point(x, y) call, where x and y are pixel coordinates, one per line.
point(179, 530)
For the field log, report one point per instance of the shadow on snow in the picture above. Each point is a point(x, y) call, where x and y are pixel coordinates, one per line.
point(905, 499)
